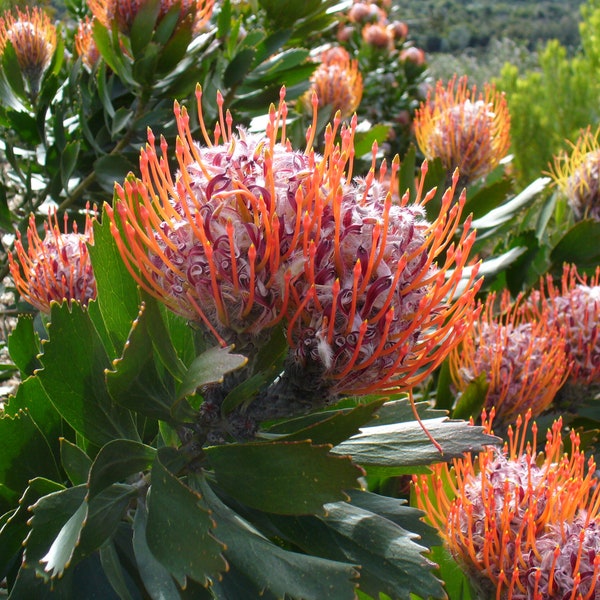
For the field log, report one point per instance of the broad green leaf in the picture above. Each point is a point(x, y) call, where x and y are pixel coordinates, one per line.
point(79, 393)
point(238, 68)
point(14, 529)
point(68, 162)
point(162, 332)
point(24, 455)
point(578, 246)
point(337, 425)
point(111, 565)
point(110, 168)
point(118, 297)
point(135, 381)
point(75, 462)
point(487, 198)
point(143, 26)
point(180, 529)
point(406, 444)
point(52, 515)
point(175, 49)
point(267, 568)
point(472, 399)
point(24, 346)
point(12, 70)
point(32, 399)
point(116, 461)
point(210, 367)
point(156, 578)
point(504, 213)
point(363, 142)
point(283, 477)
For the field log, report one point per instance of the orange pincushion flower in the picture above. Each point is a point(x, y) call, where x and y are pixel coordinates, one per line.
point(55, 268)
point(85, 45)
point(33, 37)
point(337, 82)
point(577, 174)
point(574, 308)
point(123, 12)
point(522, 526)
point(250, 233)
point(524, 360)
point(464, 129)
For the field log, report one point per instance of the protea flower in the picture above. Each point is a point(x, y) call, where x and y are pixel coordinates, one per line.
point(123, 12)
point(337, 82)
point(522, 526)
point(33, 37)
point(523, 360)
point(574, 308)
point(576, 174)
point(85, 46)
point(464, 129)
point(56, 268)
point(250, 233)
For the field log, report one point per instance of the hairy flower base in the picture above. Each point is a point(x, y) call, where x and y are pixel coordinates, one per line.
point(523, 359)
point(56, 268)
point(464, 130)
point(522, 526)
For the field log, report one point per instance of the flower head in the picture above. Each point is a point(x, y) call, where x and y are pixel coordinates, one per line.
point(85, 46)
point(464, 129)
point(337, 82)
point(250, 233)
point(523, 527)
point(523, 360)
point(574, 308)
point(55, 268)
point(123, 12)
point(33, 37)
point(577, 175)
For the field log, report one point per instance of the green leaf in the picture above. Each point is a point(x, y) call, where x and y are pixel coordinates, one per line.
point(210, 367)
point(391, 560)
point(24, 455)
point(180, 528)
point(110, 168)
point(156, 579)
point(364, 139)
point(24, 346)
point(578, 246)
point(118, 298)
point(111, 565)
point(68, 162)
point(75, 462)
point(117, 461)
point(335, 426)
point(406, 444)
point(175, 49)
point(283, 477)
point(487, 198)
point(472, 399)
point(143, 26)
point(135, 381)
point(14, 530)
point(238, 68)
point(12, 70)
point(266, 568)
point(79, 393)
point(504, 213)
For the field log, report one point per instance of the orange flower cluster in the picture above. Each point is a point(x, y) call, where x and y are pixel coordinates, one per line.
point(33, 37)
point(574, 309)
point(123, 12)
point(522, 526)
point(337, 82)
point(464, 129)
point(523, 359)
point(577, 174)
point(55, 268)
point(250, 233)
point(85, 46)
